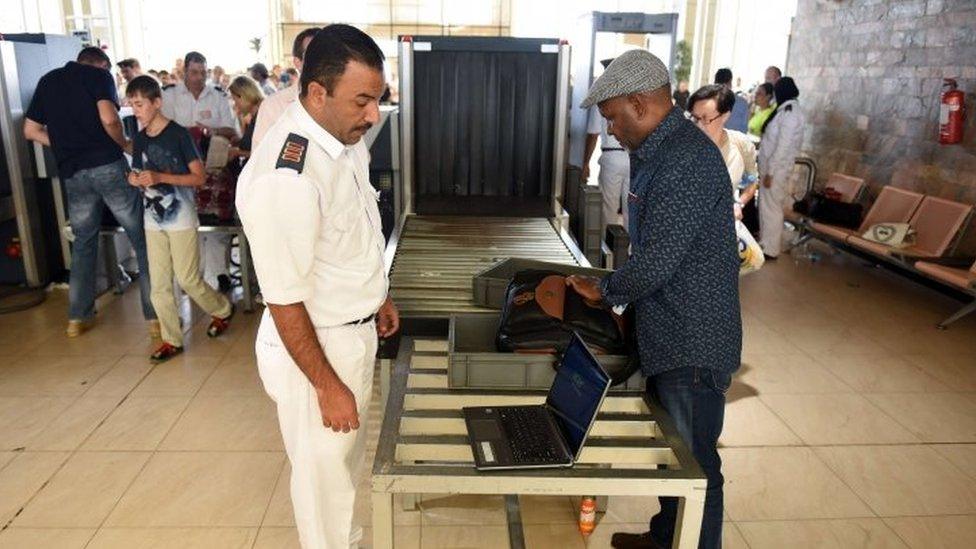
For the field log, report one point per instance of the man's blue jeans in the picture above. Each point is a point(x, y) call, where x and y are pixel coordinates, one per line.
point(695, 399)
point(87, 191)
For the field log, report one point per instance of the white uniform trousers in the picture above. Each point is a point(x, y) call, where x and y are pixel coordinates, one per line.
point(771, 201)
point(326, 466)
point(614, 183)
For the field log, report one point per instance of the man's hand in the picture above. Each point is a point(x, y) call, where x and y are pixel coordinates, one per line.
point(388, 321)
point(586, 286)
point(737, 210)
point(134, 179)
point(586, 173)
point(767, 182)
point(338, 407)
point(148, 178)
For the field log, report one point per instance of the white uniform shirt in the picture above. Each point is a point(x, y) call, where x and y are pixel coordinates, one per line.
point(271, 110)
point(781, 142)
point(315, 235)
point(596, 124)
point(211, 109)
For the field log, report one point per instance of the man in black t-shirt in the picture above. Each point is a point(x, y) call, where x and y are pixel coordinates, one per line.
point(75, 112)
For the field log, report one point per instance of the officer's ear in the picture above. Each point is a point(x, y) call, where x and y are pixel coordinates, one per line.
point(316, 92)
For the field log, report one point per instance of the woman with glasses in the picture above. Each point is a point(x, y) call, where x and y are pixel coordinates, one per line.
point(710, 108)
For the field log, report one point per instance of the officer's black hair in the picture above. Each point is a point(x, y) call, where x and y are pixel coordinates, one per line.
point(723, 76)
point(331, 49)
point(130, 63)
point(259, 72)
point(193, 57)
point(298, 46)
point(723, 96)
point(94, 56)
point(145, 86)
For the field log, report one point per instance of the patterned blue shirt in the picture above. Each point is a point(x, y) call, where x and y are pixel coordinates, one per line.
point(683, 274)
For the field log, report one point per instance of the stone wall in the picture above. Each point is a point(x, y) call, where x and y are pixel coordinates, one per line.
point(870, 73)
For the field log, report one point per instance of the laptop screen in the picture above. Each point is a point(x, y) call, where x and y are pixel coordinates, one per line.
point(576, 393)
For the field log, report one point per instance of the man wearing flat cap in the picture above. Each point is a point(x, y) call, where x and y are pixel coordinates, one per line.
point(682, 276)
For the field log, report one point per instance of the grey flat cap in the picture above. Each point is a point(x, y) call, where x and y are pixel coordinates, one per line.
point(631, 72)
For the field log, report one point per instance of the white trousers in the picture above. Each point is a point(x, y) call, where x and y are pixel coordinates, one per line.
point(326, 466)
point(614, 183)
point(771, 201)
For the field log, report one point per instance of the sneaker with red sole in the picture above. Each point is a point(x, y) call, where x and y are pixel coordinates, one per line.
point(165, 352)
point(220, 325)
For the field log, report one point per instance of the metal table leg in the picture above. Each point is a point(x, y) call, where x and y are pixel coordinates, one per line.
point(513, 513)
point(245, 259)
point(382, 520)
point(691, 510)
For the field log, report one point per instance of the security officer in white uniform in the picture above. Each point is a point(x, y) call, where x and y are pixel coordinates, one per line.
point(614, 162)
point(196, 103)
point(313, 223)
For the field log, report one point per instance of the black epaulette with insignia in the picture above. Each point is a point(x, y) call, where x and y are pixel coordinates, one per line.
point(168, 86)
point(292, 153)
point(220, 90)
point(788, 108)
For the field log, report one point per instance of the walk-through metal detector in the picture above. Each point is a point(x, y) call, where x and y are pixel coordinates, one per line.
point(584, 59)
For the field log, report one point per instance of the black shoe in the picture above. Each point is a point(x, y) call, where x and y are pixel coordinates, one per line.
point(623, 540)
point(770, 257)
point(224, 284)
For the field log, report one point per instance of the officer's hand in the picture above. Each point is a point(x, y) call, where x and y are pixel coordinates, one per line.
point(338, 407)
point(586, 286)
point(388, 322)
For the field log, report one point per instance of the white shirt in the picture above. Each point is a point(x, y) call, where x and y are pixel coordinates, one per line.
point(740, 158)
point(271, 110)
point(781, 142)
point(211, 109)
point(596, 124)
point(315, 236)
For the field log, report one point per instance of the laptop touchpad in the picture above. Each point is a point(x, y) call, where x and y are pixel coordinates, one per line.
point(485, 429)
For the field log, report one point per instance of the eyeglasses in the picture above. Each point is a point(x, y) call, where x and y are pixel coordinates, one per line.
point(701, 121)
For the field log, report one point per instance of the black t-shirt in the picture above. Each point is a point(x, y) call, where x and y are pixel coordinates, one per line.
point(168, 207)
point(66, 102)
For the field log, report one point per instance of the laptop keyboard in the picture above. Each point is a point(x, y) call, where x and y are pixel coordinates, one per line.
point(523, 427)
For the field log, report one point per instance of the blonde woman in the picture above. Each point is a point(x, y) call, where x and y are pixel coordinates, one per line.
point(247, 97)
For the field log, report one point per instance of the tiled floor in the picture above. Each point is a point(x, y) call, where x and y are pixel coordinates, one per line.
point(851, 424)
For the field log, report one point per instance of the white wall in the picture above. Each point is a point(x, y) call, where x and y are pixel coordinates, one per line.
point(31, 16)
point(751, 35)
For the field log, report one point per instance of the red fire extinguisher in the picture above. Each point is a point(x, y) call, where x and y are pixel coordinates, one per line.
point(952, 111)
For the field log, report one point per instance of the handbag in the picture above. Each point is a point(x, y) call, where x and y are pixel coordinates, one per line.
point(826, 207)
point(896, 235)
point(541, 313)
point(751, 257)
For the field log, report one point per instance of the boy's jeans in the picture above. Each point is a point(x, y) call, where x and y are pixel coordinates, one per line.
point(695, 399)
point(87, 190)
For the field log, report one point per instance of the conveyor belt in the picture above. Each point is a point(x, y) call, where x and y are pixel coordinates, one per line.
point(437, 256)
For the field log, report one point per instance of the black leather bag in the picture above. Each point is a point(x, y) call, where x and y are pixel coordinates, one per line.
point(541, 313)
point(820, 207)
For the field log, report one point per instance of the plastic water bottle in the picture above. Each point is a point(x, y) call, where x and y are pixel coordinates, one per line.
point(587, 515)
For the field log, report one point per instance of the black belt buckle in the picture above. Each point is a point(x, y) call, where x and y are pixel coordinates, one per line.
point(361, 321)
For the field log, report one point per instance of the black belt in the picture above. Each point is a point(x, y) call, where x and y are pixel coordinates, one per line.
point(621, 149)
point(361, 321)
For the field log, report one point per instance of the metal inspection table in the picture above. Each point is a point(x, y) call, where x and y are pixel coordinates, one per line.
point(244, 252)
point(633, 450)
point(434, 257)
